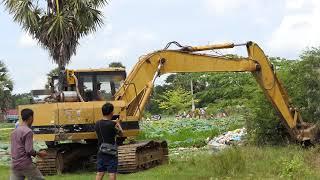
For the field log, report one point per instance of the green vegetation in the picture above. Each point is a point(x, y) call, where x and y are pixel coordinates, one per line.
point(6, 86)
point(19, 99)
point(188, 132)
point(5, 134)
point(302, 82)
point(289, 162)
point(116, 64)
point(175, 100)
point(6, 125)
point(5, 131)
point(7, 99)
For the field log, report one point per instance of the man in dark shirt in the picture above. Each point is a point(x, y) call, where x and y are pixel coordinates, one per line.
point(106, 131)
point(22, 150)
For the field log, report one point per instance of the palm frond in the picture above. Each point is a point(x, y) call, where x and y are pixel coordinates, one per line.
point(98, 3)
point(59, 27)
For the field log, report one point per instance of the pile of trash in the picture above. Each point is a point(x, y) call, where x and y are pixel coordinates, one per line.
point(227, 139)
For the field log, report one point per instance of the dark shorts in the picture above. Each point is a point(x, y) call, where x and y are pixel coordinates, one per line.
point(106, 163)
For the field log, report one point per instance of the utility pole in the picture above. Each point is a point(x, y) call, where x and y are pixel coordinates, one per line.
point(192, 100)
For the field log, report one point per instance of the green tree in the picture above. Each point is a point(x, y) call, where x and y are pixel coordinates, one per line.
point(175, 100)
point(262, 122)
point(20, 99)
point(116, 64)
point(53, 72)
point(153, 105)
point(301, 79)
point(182, 80)
point(233, 87)
point(303, 84)
point(216, 90)
point(6, 86)
point(58, 25)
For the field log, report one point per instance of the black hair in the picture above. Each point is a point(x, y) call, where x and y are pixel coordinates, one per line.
point(26, 114)
point(107, 109)
point(99, 86)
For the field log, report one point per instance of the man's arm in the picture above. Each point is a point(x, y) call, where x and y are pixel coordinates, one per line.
point(118, 127)
point(28, 145)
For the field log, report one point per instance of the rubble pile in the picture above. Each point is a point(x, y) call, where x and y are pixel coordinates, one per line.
point(227, 139)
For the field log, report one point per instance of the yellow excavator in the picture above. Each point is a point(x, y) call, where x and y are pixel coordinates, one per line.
point(65, 119)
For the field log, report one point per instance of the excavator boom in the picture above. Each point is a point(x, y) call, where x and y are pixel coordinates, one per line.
point(137, 88)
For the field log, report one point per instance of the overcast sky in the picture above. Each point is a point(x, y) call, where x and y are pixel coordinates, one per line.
point(133, 28)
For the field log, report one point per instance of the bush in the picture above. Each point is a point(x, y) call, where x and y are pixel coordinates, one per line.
point(292, 167)
point(302, 81)
point(263, 125)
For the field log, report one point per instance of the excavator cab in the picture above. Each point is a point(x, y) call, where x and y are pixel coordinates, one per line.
point(92, 84)
point(100, 84)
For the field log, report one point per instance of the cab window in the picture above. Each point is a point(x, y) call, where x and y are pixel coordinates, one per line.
point(104, 83)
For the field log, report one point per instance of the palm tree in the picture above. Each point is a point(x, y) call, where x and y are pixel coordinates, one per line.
point(57, 24)
point(6, 87)
point(53, 72)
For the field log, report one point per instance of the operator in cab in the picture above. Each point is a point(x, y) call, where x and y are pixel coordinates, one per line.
point(107, 130)
point(100, 96)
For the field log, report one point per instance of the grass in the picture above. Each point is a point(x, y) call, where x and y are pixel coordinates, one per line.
point(6, 125)
point(290, 162)
point(5, 134)
point(5, 130)
point(247, 162)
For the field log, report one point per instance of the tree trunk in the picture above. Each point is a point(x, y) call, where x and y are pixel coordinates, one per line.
point(192, 100)
point(61, 77)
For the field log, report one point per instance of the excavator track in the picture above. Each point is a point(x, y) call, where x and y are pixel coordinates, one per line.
point(142, 155)
point(52, 164)
point(131, 157)
point(66, 157)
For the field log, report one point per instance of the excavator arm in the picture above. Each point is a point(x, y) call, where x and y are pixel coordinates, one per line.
point(138, 86)
point(69, 119)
